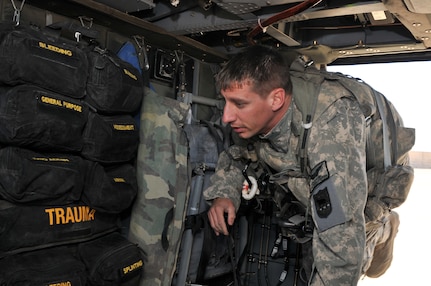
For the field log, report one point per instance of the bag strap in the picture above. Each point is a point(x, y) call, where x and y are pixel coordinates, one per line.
point(306, 81)
point(386, 149)
point(389, 150)
point(393, 131)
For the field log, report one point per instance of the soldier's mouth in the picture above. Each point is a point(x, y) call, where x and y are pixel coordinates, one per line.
point(238, 129)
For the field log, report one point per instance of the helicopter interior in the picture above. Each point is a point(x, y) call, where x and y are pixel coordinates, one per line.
point(345, 32)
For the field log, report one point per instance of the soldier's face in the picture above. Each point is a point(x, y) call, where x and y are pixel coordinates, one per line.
point(247, 112)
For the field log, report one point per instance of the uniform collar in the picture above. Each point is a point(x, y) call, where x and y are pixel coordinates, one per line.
point(279, 136)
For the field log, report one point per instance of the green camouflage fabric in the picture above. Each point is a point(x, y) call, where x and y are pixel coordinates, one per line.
point(337, 138)
point(163, 185)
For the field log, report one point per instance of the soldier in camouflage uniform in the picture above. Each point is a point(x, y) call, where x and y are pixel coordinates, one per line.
point(261, 111)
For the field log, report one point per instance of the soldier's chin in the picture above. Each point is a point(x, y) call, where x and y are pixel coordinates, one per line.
point(244, 134)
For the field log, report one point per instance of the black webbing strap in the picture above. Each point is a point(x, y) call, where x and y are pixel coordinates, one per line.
point(168, 218)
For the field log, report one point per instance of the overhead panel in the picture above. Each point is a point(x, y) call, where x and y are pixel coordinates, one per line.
point(419, 6)
point(419, 24)
point(128, 6)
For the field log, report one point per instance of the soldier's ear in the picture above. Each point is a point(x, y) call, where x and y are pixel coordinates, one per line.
point(278, 98)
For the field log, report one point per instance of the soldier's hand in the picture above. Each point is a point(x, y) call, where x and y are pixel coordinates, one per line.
point(216, 215)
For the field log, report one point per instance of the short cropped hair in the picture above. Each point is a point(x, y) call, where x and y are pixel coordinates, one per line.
point(261, 67)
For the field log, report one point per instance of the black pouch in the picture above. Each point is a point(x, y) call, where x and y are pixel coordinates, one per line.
point(31, 177)
point(44, 120)
point(27, 227)
point(112, 260)
point(30, 56)
point(114, 86)
point(111, 189)
point(51, 266)
point(110, 139)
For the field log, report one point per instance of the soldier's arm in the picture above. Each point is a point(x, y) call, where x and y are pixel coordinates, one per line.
point(224, 193)
point(227, 180)
point(339, 239)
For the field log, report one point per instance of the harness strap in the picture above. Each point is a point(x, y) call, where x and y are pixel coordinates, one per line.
point(168, 218)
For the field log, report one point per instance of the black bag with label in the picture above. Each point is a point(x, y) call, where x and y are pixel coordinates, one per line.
point(114, 86)
point(28, 55)
point(112, 260)
point(111, 189)
point(110, 139)
point(34, 117)
point(52, 266)
point(27, 227)
point(40, 178)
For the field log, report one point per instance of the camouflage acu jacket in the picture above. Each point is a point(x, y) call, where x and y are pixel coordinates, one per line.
point(336, 152)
